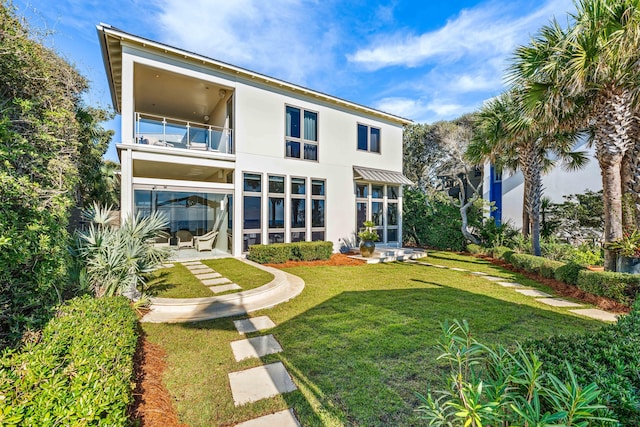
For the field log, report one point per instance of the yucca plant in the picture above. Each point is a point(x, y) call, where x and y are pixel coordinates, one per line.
point(117, 258)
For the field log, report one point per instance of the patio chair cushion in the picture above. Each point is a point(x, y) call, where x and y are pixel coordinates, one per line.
point(185, 238)
point(206, 241)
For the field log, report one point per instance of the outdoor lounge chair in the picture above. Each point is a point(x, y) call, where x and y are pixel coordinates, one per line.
point(185, 239)
point(206, 241)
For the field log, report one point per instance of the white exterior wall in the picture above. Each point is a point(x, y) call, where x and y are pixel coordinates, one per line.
point(259, 142)
point(556, 184)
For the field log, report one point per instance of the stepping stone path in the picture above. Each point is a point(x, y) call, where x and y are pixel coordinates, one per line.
point(558, 302)
point(261, 382)
point(540, 296)
point(210, 278)
point(595, 313)
point(253, 324)
point(532, 293)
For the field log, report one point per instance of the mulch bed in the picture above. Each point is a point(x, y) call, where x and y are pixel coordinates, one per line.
point(335, 260)
point(566, 290)
point(152, 405)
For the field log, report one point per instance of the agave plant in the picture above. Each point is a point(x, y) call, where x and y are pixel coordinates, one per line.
point(117, 258)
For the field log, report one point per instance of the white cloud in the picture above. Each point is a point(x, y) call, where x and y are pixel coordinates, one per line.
point(284, 38)
point(487, 30)
point(422, 109)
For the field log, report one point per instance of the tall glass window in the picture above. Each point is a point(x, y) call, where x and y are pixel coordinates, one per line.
point(318, 199)
point(276, 209)
point(251, 210)
point(192, 214)
point(380, 204)
point(298, 209)
point(301, 133)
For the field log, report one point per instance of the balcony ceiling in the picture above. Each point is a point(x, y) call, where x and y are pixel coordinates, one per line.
point(173, 171)
point(173, 95)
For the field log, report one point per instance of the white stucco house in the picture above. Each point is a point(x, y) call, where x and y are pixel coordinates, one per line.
point(506, 190)
point(258, 160)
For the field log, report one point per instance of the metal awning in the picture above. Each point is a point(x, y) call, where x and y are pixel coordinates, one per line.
point(380, 175)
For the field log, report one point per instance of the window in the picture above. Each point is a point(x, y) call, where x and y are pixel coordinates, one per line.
point(276, 203)
point(379, 204)
point(252, 210)
point(301, 134)
point(298, 209)
point(368, 138)
point(318, 199)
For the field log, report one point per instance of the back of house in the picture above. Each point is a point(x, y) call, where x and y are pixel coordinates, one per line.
point(216, 147)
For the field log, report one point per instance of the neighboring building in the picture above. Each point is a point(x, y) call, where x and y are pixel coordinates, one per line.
point(218, 147)
point(507, 190)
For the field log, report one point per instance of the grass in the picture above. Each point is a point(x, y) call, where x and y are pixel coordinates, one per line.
point(179, 282)
point(359, 342)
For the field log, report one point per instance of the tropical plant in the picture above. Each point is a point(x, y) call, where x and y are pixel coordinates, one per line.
point(587, 77)
point(499, 387)
point(117, 258)
point(628, 245)
point(508, 136)
point(368, 232)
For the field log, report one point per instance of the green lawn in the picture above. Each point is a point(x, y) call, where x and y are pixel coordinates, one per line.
point(359, 342)
point(178, 282)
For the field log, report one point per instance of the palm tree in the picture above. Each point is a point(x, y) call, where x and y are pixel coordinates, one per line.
point(511, 139)
point(587, 77)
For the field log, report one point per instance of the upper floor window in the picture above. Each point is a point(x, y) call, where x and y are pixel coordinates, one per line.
point(301, 133)
point(368, 138)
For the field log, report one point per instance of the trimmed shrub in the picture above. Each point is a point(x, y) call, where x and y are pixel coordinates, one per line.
point(621, 287)
point(475, 249)
point(276, 253)
point(609, 357)
point(279, 253)
point(568, 273)
point(535, 264)
point(79, 373)
point(310, 251)
point(502, 252)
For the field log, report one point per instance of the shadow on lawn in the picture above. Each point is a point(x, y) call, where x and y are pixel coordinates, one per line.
point(360, 357)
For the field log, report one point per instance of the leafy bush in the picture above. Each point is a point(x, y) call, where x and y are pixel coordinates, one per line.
point(434, 221)
point(278, 253)
point(608, 357)
point(621, 287)
point(476, 249)
point(535, 264)
point(493, 235)
point(116, 259)
point(502, 252)
point(495, 387)
point(568, 273)
point(79, 373)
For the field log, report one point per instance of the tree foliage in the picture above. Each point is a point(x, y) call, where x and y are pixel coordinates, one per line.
point(42, 146)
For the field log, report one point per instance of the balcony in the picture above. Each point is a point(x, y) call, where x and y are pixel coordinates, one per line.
point(175, 133)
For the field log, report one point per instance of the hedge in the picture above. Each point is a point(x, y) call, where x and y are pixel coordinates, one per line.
point(568, 273)
point(278, 253)
point(79, 373)
point(502, 252)
point(535, 264)
point(609, 357)
point(476, 249)
point(621, 287)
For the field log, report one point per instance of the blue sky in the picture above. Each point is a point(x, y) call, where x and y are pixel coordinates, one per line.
point(424, 60)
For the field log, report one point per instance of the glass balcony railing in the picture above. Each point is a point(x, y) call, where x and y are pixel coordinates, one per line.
point(168, 132)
